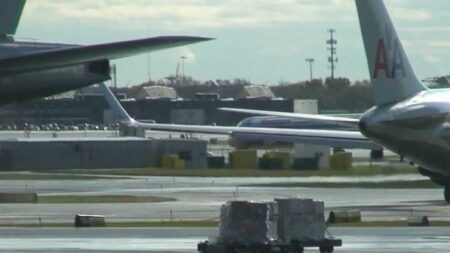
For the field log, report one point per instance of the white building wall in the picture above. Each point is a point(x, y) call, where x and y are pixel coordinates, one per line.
point(306, 106)
point(312, 151)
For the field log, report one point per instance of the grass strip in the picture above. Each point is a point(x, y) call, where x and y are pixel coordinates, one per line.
point(356, 171)
point(79, 199)
point(417, 184)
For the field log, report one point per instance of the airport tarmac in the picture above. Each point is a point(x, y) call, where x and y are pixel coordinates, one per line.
point(182, 240)
point(200, 198)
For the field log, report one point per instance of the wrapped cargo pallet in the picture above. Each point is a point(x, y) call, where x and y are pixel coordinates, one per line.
point(245, 222)
point(341, 161)
point(272, 220)
point(300, 219)
point(244, 159)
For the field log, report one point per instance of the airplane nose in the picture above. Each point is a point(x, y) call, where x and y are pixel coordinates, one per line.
point(367, 126)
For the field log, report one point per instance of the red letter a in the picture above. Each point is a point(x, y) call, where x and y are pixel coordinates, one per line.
point(381, 60)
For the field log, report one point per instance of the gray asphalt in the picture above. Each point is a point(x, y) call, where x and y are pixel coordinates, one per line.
point(398, 240)
point(200, 198)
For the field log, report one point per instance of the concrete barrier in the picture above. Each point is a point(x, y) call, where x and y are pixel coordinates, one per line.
point(244, 159)
point(172, 162)
point(341, 161)
point(418, 221)
point(18, 198)
point(344, 216)
point(86, 220)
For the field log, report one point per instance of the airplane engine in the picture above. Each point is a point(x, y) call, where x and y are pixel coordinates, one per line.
point(22, 86)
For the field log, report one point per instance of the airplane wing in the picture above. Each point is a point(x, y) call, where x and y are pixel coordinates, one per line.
point(331, 138)
point(315, 117)
point(82, 54)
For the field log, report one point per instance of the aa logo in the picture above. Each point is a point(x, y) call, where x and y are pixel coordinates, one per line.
point(389, 59)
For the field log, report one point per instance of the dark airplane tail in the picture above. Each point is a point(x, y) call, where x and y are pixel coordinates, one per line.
point(10, 13)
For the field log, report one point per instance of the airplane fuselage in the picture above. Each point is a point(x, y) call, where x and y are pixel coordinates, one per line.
point(15, 87)
point(293, 123)
point(241, 140)
point(417, 128)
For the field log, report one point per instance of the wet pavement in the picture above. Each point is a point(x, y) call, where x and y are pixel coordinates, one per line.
point(398, 240)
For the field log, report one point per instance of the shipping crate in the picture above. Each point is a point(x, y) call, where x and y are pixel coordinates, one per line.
point(244, 221)
point(300, 219)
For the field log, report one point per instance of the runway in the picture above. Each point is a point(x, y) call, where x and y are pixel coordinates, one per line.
point(200, 198)
point(398, 240)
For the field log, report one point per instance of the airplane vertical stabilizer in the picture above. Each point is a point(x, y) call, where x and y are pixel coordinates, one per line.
point(392, 76)
point(114, 104)
point(10, 13)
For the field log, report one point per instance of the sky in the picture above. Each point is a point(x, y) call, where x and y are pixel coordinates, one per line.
point(263, 41)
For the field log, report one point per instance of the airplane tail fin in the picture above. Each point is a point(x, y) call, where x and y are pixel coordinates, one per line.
point(393, 78)
point(10, 13)
point(114, 104)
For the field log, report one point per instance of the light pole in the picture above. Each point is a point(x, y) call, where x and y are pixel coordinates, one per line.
point(310, 61)
point(183, 58)
point(148, 68)
point(332, 59)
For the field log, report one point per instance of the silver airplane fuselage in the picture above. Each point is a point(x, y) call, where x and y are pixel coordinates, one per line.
point(19, 86)
point(245, 141)
point(417, 128)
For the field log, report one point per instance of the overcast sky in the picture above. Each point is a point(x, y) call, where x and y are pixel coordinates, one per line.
point(264, 41)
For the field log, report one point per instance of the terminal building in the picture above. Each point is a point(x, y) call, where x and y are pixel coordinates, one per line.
point(150, 103)
point(161, 104)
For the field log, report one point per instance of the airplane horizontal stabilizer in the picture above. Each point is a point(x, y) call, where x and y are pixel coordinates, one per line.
point(82, 54)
